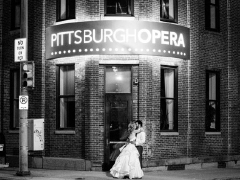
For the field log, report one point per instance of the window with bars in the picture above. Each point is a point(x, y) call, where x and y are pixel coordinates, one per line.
point(212, 101)
point(65, 97)
point(65, 10)
point(212, 15)
point(119, 7)
point(169, 96)
point(168, 10)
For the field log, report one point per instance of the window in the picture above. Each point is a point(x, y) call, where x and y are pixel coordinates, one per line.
point(168, 10)
point(119, 7)
point(118, 79)
point(212, 15)
point(65, 97)
point(14, 99)
point(16, 14)
point(65, 10)
point(168, 111)
point(212, 101)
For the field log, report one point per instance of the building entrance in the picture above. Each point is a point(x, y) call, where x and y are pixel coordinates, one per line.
point(118, 110)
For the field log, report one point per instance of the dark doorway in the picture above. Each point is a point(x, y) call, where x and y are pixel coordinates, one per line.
point(118, 109)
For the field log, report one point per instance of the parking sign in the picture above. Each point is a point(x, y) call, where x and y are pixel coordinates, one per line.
point(23, 102)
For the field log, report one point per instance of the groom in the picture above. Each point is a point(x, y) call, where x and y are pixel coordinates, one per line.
point(140, 140)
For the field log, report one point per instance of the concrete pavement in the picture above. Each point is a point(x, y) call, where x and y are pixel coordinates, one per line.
point(232, 173)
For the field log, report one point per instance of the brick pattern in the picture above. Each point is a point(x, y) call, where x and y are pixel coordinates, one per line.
point(196, 92)
point(1, 85)
point(209, 51)
point(65, 145)
point(233, 77)
point(93, 127)
point(8, 37)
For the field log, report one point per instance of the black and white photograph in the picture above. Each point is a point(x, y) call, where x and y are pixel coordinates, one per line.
point(119, 89)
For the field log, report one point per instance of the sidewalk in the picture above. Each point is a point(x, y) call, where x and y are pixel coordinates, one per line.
point(193, 174)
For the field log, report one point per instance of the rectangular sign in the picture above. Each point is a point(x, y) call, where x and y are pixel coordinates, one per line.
point(20, 50)
point(23, 102)
point(36, 134)
point(118, 37)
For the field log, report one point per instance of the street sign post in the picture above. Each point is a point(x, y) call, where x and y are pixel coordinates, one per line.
point(21, 47)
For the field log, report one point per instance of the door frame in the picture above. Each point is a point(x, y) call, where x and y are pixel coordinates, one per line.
point(107, 165)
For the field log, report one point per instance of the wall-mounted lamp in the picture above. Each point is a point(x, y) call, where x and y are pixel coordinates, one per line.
point(135, 82)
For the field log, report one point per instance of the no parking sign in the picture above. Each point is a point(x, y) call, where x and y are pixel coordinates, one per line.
point(23, 102)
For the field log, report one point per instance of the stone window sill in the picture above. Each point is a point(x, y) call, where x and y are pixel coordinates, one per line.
point(65, 132)
point(14, 131)
point(169, 133)
point(212, 133)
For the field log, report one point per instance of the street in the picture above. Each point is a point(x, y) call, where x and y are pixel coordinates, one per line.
point(193, 174)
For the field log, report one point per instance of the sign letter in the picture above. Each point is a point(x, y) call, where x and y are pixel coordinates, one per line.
point(87, 34)
point(53, 38)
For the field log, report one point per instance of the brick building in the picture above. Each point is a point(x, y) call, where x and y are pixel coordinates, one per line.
point(173, 64)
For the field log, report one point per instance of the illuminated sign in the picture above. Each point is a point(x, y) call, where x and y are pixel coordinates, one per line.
point(117, 37)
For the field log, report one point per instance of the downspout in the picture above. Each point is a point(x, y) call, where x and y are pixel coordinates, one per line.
point(44, 70)
point(189, 83)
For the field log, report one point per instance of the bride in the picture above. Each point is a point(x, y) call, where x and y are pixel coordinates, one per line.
point(127, 163)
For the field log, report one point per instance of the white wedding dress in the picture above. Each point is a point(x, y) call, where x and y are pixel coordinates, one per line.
point(127, 163)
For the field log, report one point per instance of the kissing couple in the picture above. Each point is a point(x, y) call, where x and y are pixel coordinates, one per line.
point(129, 161)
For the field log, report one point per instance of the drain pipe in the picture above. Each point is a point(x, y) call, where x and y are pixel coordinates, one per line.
point(189, 75)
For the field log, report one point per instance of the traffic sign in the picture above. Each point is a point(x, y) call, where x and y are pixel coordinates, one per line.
point(23, 102)
point(20, 49)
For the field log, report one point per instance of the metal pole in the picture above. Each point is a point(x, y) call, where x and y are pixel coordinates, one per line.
point(23, 113)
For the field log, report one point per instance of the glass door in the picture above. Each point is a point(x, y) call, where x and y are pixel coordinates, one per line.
point(118, 109)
